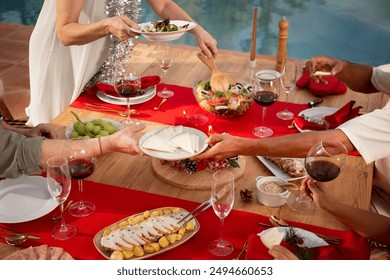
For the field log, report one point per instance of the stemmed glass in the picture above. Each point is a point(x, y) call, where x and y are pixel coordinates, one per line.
point(287, 81)
point(323, 162)
point(127, 83)
point(222, 198)
point(165, 62)
point(266, 95)
point(82, 163)
point(59, 185)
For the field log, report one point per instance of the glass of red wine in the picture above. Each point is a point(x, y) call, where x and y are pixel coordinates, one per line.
point(323, 163)
point(266, 95)
point(127, 83)
point(82, 163)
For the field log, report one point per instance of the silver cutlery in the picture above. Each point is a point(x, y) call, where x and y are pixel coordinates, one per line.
point(14, 240)
point(57, 218)
point(201, 208)
point(19, 233)
point(242, 251)
point(159, 105)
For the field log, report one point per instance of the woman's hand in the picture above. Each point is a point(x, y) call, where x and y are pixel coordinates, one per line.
point(281, 253)
point(123, 141)
point(120, 27)
point(206, 42)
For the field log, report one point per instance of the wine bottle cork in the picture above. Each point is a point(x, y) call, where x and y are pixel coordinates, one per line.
point(282, 44)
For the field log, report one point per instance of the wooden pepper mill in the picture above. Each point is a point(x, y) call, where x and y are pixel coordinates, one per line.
point(282, 44)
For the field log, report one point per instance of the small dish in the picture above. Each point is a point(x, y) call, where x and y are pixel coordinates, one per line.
point(270, 197)
point(271, 72)
point(315, 113)
point(150, 92)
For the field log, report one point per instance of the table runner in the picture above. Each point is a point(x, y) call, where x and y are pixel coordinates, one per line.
point(171, 113)
point(115, 203)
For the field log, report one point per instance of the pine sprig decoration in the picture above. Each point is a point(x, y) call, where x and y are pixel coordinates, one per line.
point(193, 166)
point(296, 242)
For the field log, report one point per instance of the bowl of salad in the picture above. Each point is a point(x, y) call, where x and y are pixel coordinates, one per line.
point(232, 103)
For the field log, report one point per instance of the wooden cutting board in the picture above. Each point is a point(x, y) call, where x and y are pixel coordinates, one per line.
point(200, 180)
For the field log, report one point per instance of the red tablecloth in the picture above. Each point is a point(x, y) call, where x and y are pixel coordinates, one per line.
point(184, 100)
point(116, 203)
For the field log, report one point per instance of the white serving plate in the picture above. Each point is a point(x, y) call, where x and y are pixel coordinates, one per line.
point(164, 36)
point(277, 171)
point(150, 92)
point(25, 198)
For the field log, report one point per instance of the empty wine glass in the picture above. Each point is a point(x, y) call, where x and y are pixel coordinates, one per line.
point(222, 198)
point(288, 79)
point(323, 162)
point(266, 95)
point(59, 185)
point(165, 61)
point(82, 163)
point(127, 83)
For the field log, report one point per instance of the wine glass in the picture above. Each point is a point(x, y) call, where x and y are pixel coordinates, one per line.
point(59, 185)
point(82, 163)
point(127, 83)
point(323, 162)
point(222, 198)
point(288, 80)
point(266, 95)
point(165, 62)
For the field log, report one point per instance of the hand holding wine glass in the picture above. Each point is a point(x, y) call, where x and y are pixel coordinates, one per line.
point(323, 162)
point(82, 163)
point(222, 198)
point(288, 79)
point(165, 62)
point(127, 83)
point(266, 95)
point(59, 185)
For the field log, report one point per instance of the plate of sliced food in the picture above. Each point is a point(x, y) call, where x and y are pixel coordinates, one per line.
point(145, 234)
point(173, 142)
point(288, 169)
point(164, 30)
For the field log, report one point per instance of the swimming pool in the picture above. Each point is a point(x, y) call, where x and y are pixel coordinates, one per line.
point(357, 30)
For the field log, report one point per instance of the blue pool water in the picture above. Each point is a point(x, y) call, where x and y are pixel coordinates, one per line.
point(357, 30)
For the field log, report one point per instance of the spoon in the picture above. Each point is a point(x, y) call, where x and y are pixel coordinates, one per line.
point(14, 240)
point(161, 103)
point(57, 218)
point(219, 81)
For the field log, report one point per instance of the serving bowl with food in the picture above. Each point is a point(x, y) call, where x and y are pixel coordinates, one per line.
point(232, 103)
point(271, 191)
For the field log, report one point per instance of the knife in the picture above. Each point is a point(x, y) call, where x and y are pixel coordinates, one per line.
point(19, 233)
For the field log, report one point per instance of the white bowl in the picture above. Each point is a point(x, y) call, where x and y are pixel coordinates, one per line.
point(271, 199)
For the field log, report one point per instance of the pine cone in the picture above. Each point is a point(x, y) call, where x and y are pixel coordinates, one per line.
point(246, 195)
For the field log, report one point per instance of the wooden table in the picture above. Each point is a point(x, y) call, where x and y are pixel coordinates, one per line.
point(352, 187)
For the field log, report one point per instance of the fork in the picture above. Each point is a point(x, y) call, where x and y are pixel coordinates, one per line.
point(97, 107)
point(201, 208)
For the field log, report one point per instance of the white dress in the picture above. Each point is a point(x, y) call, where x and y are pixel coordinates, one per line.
point(58, 73)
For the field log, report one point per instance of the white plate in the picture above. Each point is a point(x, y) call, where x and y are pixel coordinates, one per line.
point(24, 199)
point(179, 154)
point(316, 113)
point(150, 92)
point(164, 36)
point(310, 240)
point(70, 129)
point(277, 171)
point(272, 72)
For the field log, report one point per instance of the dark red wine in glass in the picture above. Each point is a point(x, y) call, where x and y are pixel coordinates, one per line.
point(265, 98)
point(128, 88)
point(81, 168)
point(322, 170)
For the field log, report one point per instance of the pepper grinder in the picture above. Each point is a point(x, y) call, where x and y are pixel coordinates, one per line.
point(281, 54)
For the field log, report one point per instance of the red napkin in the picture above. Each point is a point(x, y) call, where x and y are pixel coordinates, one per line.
point(334, 85)
point(342, 115)
point(146, 82)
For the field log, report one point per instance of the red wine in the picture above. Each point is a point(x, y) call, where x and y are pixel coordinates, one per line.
point(128, 89)
point(81, 168)
point(322, 170)
point(265, 98)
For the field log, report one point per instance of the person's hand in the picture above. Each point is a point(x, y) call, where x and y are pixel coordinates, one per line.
point(206, 42)
point(223, 146)
point(120, 27)
point(281, 253)
point(44, 130)
point(123, 141)
point(325, 64)
point(311, 189)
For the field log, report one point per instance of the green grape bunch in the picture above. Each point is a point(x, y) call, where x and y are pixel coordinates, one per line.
point(91, 129)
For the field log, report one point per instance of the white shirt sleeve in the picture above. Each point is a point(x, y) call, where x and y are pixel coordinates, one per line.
point(381, 78)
